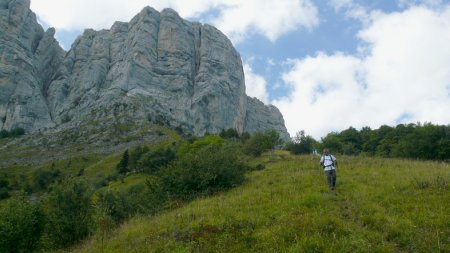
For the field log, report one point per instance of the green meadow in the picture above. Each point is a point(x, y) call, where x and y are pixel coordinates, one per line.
point(380, 205)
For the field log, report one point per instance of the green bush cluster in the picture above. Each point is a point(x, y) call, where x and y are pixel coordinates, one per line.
point(301, 144)
point(13, 133)
point(65, 210)
point(147, 198)
point(206, 170)
point(4, 187)
point(68, 213)
point(261, 142)
point(21, 225)
point(142, 159)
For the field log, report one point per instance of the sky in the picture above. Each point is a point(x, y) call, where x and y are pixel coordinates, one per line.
point(327, 65)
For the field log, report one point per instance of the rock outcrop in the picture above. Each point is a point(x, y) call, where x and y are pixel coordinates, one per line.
point(29, 58)
point(158, 67)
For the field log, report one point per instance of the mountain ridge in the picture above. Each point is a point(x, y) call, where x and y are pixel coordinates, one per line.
point(158, 66)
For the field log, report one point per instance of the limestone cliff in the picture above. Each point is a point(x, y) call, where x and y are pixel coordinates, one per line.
point(157, 67)
point(29, 58)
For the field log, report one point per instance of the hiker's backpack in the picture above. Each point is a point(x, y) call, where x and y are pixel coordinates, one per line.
point(331, 158)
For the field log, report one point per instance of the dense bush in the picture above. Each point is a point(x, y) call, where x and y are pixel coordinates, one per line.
point(68, 211)
point(42, 179)
point(4, 187)
point(230, 133)
point(261, 142)
point(21, 225)
point(140, 198)
point(13, 133)
point(301, 144)
point(136, 154)
point(203, 171)
point(152, 161)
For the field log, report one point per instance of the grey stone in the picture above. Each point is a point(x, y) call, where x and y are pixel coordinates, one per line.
point(28, 59)
point(157, 67)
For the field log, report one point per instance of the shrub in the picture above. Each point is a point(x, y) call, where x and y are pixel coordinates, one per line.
point(4, 187)
point(4, 193)
point(136, 154)
point(68, 211)
point(230, 133)
point(195, 144)
point(301, 144)
point(13, 133)
point(42, 179)
point(152, 161)
point(261, 142)
point(203, 171)
point(145, 198)
point(21, 225)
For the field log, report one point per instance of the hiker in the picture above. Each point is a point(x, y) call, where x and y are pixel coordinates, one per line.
point(329, 163)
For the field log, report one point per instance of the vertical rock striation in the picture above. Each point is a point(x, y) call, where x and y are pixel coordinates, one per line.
point(156, 67)
point(28, 60)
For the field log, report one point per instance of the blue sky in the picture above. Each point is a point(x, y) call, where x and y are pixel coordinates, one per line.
point(327, 64)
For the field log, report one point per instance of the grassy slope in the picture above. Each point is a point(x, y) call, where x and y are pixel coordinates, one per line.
point(72, 158)
point(380, 205)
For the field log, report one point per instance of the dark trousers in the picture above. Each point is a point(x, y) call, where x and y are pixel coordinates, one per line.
point(331, 178)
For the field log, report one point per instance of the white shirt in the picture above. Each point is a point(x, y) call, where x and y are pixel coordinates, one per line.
point(328, 161)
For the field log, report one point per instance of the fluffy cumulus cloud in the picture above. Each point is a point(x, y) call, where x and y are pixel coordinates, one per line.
point(255, 85)
point(236, 18)
point(403, 75)
point(266, 17)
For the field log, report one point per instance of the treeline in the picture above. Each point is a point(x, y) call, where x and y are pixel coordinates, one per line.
point(415, 141)
point(63, 210)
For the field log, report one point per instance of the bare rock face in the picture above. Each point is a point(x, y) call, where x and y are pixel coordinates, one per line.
point(157, 67)
point(28, 59)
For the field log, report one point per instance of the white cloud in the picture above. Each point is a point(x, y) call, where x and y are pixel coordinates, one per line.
point(405, 71)
point(236, 18)
point(429, 3)
point(266, 17)
point(354, 10)
point(255, 85)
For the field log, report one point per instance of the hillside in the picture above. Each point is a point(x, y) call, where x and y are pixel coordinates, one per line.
point(380, 205)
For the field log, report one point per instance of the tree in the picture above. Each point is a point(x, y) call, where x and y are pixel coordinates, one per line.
point(351, 141)
point(122, 166)
point(261, 142)
point(332, 142)
point(301, 144)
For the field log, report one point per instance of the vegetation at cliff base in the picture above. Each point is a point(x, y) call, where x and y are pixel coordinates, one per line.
point(228, 192)
point(380, 205)
point(144, 180)
point(13, 133)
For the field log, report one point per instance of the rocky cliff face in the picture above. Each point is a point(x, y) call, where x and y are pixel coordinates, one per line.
point(29, 58)
point(157, 67)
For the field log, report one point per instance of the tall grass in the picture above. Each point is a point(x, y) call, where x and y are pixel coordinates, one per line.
point(380, 205)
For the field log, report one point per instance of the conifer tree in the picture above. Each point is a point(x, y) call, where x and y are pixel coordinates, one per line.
point(122, 166)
